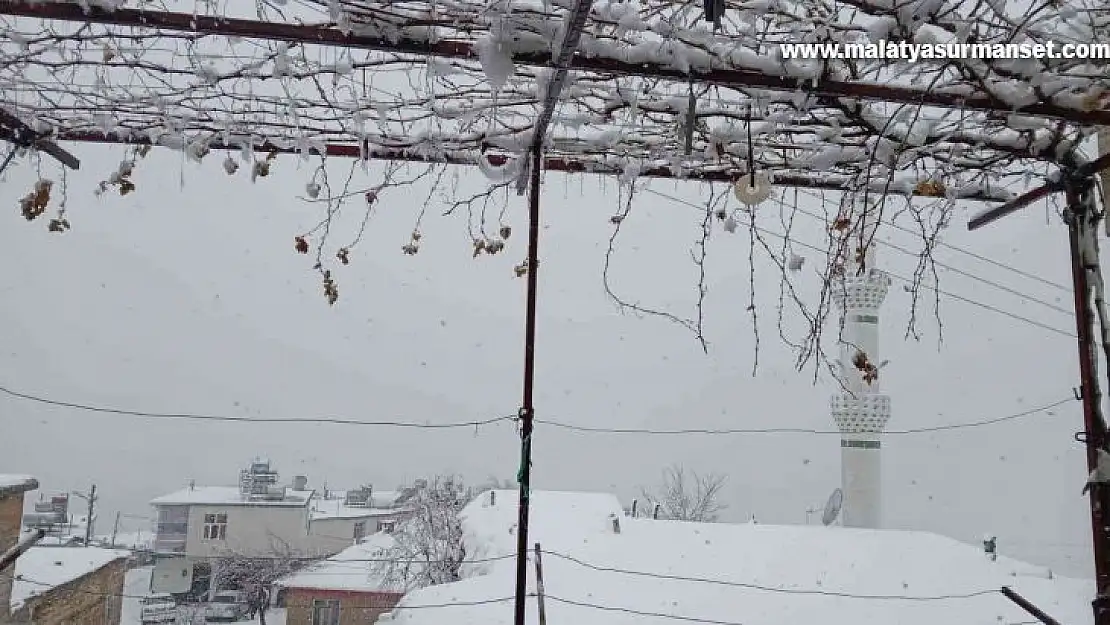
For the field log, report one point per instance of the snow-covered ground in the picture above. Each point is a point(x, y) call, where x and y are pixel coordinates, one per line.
point(654, 572)
point(137, 584)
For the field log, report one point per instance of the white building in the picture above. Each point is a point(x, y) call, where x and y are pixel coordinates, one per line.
point(860, 410)
point(199, 525)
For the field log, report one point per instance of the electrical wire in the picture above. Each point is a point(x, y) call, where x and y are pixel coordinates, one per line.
point(610, 608)
point(788, 591)
point(419, 606)
point(957, 270)
point(895, 275)
point(620, 571)
point(316, 559)
point(552, 423)
point(229, 418)
point(975, 255)
point(922, 430)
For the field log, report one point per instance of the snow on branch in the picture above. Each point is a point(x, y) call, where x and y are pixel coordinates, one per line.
point(653, 90)
point(427, 547)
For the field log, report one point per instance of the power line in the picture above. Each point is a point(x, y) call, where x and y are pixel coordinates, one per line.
point(610, 608)
point(317, 559)
point(957, 270)
point(975, 255)
point(557, 424)
point(621, 571)
point(923, 430)
point(229, 418)
point(788, 591)
point(421, 606)
point(676, 617)
point(908, 281)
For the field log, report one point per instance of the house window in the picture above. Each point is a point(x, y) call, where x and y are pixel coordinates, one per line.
point(360, 529)
point(215, 527)
point(387, 526)
point(325, 612)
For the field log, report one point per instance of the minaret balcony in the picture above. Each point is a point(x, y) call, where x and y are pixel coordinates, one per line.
point(858, 415)
point(862, 292)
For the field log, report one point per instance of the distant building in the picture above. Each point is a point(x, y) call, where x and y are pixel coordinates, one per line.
point(12, 488)
point(50, 515)
point(67, 585)
point(198, 525)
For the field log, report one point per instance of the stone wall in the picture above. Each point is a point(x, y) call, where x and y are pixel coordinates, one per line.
point(94, 599)
point(11, 519)
point(355, 608)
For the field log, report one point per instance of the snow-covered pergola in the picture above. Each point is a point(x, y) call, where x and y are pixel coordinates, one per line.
point(630, 88)
point(460, 77)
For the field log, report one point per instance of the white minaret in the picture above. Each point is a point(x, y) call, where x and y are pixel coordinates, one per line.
point(860, 410)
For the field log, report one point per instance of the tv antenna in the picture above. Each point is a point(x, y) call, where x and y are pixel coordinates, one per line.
point(832, 507)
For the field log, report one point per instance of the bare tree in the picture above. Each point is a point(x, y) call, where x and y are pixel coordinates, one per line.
point(688, 499)
point(494, 483)
point(427, 547)
point(255, 574)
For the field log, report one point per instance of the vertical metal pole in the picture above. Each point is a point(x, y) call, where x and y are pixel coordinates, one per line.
point(1079, 224)
point(539, 586)
point(115, 530)
point(527, 409)
point(89, 519)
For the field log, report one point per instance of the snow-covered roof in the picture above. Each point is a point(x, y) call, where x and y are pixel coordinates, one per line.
point(350, 569)
point(13, 484)
point(378, 498)
point(40, 569)
point(228, 496)
point(725, 573)
point(384, 498)
point(336, 509)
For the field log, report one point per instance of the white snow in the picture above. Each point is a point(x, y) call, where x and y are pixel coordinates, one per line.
point(136, 584)
point(350, 569)
point(227, 496)
point(750, 573)
point(336, 509)
point(11, 480)
point(41, 568)
point(496, 59)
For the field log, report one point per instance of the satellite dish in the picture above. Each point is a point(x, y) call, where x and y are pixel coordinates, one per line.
point(832, 507)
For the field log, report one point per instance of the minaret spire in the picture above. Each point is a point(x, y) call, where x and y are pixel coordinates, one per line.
point(860, 410)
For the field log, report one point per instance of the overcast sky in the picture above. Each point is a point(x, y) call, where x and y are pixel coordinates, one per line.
point(187, 296)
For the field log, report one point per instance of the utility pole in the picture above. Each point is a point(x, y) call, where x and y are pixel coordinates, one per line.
point(91, 498)
point(1082, 219)
point(527, 410)
point(115, 530)
point(539, 585)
